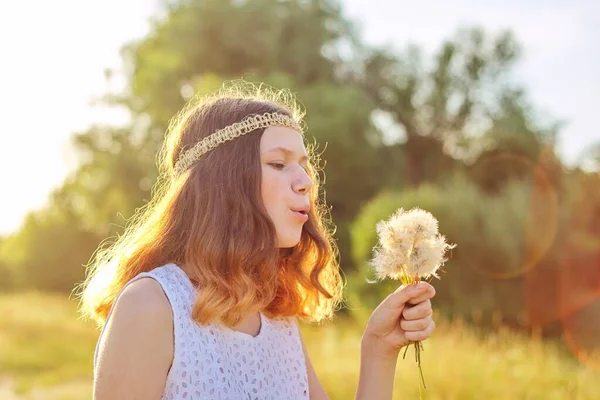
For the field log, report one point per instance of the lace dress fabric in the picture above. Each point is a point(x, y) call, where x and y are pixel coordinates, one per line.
point(215, 362)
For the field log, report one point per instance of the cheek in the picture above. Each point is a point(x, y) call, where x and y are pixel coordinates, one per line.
point(270, 189)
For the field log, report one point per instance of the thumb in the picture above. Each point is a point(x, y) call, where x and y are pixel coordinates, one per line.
point(403, 294)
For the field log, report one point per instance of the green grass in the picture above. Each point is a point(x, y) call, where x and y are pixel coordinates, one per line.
point(459, 363)
point(46, 354)
point(43, 345)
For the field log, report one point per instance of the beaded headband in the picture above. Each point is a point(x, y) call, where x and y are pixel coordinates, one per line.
point(231, 132)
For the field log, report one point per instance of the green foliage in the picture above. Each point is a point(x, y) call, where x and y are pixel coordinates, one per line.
point(441, 100)
point(48, 253)
point(115, 176)
point(467, 86)
point(198, 37)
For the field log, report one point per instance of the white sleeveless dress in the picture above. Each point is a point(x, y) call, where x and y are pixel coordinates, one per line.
point(214, 362)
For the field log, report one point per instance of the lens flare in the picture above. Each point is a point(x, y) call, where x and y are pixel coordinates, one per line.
point(540, 208)
point(578, 298)
point(582, 334)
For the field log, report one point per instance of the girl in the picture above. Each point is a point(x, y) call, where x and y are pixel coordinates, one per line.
point(199, 298)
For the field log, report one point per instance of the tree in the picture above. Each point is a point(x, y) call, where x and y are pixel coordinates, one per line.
point(231, 39)
point(49, 252)
point(515, 145)
point(449, 103)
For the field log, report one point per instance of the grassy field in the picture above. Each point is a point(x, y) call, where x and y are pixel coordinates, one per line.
point(46, 353)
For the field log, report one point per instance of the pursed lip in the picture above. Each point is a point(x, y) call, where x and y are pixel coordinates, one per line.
point(302, 209)
point(301, 216)
point(301, 212)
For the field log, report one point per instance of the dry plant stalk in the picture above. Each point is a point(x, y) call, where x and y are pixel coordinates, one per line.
point(410, 249)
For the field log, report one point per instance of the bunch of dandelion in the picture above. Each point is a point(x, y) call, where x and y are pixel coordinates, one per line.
point(410, 249)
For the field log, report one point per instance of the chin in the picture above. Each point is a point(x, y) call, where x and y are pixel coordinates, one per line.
point(289, 242)
point(289, 245)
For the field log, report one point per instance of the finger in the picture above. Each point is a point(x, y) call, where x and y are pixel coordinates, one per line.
point(403, 294)
point(416, 325)
point(418, 311)
point(426, 294)
point(416, 336)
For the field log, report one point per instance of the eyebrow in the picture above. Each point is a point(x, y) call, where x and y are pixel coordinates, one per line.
point(287, 152)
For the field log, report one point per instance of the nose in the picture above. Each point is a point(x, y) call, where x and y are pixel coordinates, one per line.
point(303, 182)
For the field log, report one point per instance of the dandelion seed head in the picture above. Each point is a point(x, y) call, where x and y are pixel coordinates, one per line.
point(409, 244)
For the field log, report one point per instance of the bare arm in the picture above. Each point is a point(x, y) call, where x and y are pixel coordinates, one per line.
point(391, 327)
point(376, 377)
point(136, 349)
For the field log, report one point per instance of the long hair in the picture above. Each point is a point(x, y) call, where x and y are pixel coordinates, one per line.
point(211, 221)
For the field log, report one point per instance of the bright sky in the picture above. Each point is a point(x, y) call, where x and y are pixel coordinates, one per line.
point(54, 55)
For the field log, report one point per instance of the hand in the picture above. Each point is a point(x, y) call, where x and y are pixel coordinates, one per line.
point(394, 323)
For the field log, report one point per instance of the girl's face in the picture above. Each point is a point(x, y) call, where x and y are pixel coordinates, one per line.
point(285, 184)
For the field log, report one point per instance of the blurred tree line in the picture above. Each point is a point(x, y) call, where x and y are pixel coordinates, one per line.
point(449, 133)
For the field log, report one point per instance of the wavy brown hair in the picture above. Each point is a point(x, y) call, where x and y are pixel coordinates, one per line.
point(211, 221)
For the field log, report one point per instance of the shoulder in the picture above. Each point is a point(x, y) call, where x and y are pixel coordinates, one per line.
point(137, 342)
point(141, 306)
point(146, 297)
